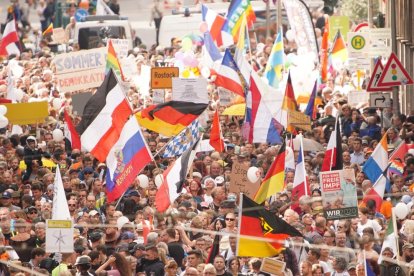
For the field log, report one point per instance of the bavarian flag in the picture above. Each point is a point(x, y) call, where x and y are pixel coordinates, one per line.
point(170, 118)
point(256, 222)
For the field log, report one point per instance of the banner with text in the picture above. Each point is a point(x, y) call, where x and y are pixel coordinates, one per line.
point(80, 70)
point(339, 196)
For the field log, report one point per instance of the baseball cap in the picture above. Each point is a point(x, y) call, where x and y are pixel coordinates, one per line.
point(134, 193)
point(127, 235)
point(408, 246)
point(197, 174)
point(93, 213)
point(6, 195)
point(219, 180)
point(95, 236)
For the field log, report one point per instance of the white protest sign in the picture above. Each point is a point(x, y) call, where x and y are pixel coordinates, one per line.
point(121, 47)
point(129, 68)
point(226, 97)
point(80, 70)
point(357, 98)
point(59, 236)
point(190, 90)
point(158, 96)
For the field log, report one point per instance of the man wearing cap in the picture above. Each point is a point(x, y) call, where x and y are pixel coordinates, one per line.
point(407, 255)
point(138, 251)
point(387, 267)
point(6, 201)
point(83, 264)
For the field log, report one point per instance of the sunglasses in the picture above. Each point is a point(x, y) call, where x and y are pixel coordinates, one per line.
point(230, 219)
point(33, 212)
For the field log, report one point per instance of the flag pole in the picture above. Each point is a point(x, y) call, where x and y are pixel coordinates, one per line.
point(303, 160)
point(394, 225)
point(240, 213)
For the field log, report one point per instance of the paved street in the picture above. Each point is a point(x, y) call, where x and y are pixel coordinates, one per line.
point(138, 13)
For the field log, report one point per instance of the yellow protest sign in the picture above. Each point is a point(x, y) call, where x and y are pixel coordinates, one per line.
point(161, 77)
point(299, 120)
point(27, 113)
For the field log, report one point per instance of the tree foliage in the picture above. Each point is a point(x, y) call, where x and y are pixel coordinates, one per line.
point(357, 10)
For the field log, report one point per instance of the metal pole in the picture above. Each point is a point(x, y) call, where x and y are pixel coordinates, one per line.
point(371, 25)
point(395, 89)
point(267, 19)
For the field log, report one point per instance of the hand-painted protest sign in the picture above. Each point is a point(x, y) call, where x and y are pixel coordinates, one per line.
point(299, 120)
point(339, 195)
point(272, 266)
point(80, 70)
point(121, 47)
point(239, 182)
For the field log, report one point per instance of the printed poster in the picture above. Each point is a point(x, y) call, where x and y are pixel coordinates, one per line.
point(339, 196)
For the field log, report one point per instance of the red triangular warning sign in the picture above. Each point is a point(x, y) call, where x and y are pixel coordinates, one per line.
point(376, 74)
point(394, 73)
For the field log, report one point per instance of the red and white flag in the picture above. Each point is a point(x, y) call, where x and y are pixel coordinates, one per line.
point(70, 132)
point(216, 138)
point(333, 155)
point(9, 39)
point(103, 118)
point(215, 24)
point(300, 182)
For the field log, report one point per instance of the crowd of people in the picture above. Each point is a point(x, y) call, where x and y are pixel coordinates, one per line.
point(129, 237)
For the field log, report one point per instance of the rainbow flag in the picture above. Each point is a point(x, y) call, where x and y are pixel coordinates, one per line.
point(112, 61)
point(237, 10)
point(274, 179)
point(49, 30)
point(274, 66)
point(396, 168)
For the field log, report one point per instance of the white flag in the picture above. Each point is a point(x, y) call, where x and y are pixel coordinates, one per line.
point(102, 8)
point(60, 209)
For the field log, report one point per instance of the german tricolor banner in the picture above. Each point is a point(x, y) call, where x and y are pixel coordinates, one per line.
point(257, 222)
point(170, 118)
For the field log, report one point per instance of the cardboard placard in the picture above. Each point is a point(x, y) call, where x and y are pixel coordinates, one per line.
point(239, 182)
point(272, 266)
point(299, 120)
point(59, 36)
point(80, 70)
point(161, 77)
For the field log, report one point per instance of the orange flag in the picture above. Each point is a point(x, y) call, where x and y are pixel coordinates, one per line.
point(216, 140)
point(324, 52)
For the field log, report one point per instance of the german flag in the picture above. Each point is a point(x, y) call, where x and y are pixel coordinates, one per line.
point(170, 118)
point(49, 30)
point(274, 179)
point(257, 222)
point(289, 103)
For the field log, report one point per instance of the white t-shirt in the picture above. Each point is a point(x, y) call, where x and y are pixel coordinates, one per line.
point(370, 223)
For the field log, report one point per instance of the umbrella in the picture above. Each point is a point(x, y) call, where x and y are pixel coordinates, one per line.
point(308, 144)
point(235, 110)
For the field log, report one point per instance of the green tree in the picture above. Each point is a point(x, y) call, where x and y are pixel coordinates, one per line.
point(357, 10)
